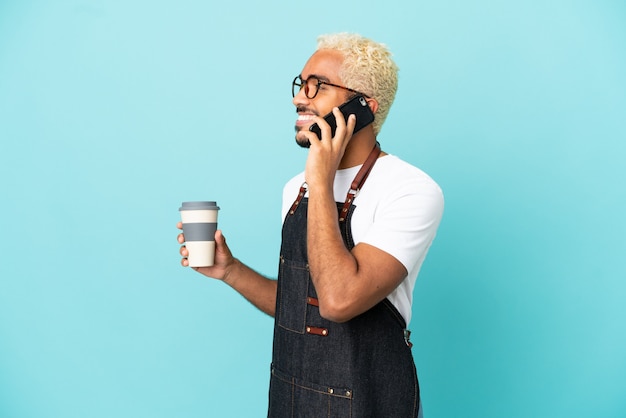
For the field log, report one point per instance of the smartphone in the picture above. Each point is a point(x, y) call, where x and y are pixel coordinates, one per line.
point(356, 106)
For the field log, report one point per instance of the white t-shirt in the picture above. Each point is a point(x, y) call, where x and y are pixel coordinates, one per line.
point(398, 211)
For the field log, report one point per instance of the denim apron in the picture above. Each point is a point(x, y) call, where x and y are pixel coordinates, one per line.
point(361, 368)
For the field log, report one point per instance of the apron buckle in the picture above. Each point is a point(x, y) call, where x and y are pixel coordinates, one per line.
point(407, 338)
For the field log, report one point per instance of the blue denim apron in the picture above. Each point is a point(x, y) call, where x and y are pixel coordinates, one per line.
point(361, 368)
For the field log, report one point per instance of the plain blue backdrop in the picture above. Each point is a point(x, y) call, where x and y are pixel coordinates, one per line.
point(113, 112)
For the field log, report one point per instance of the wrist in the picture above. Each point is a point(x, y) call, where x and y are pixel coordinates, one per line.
point(230, 273)
point(323, 188)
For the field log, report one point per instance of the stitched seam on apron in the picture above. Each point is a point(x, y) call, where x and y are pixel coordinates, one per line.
point(294, 382)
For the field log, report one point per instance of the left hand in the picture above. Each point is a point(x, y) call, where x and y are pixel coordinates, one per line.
point(326, 152)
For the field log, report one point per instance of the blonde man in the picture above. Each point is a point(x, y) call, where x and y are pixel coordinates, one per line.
point(358, 223)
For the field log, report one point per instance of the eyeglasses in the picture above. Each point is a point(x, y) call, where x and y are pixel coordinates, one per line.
point(312, 85)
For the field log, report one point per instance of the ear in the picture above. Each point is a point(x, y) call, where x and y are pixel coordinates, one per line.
point(373, 104)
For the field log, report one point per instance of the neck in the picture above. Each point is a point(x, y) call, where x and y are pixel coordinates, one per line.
point(359, 148)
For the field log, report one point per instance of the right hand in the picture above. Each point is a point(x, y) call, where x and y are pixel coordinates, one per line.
point(224, 259)
point(326, 153)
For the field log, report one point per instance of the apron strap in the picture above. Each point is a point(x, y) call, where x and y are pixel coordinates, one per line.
point(359, 180)
point(301, 194)
point(355, 187)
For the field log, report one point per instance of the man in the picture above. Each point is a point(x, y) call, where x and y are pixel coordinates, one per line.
point(357, 226)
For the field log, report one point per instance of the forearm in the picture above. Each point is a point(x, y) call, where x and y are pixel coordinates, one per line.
point(256, 288)
point(348, 282)
point(333, 267)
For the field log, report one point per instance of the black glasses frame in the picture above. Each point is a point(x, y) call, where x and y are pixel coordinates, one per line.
point(304, 84)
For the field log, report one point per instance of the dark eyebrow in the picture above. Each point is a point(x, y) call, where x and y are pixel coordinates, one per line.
point(319, 77)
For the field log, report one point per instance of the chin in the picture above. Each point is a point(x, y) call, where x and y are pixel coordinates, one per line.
point(303, 142)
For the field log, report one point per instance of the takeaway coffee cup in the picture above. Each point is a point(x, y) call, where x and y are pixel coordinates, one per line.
point(199, 226)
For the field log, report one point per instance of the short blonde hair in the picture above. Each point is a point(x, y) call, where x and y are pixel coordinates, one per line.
point(367, 67)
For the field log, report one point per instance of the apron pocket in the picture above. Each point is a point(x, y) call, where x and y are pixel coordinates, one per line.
point(291, 312)
point(292, 397)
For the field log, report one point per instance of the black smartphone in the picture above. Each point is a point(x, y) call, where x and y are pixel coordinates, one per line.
point(356, 106)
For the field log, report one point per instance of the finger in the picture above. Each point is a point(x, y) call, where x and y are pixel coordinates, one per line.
point(180, 238)
point(345, 126)
point(340, 122)
point(220, 243)
point(324, 126)
point(184, 251)
point(351, 123)
point(349, 130)
point(179, 225)
point(184, 262)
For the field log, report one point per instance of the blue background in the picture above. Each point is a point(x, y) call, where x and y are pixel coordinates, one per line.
point(113, 112)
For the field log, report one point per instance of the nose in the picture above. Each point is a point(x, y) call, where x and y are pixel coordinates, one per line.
point(300, 99)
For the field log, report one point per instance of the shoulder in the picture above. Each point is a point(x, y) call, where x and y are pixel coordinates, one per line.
point(394, 176)
point(290, 191)
point(294, 183)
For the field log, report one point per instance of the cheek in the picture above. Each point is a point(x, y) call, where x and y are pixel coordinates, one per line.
point(326, 108)
point(336, 101)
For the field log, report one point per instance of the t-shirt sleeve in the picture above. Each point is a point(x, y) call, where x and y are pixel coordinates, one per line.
point(290, 192)
point(406, 220)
